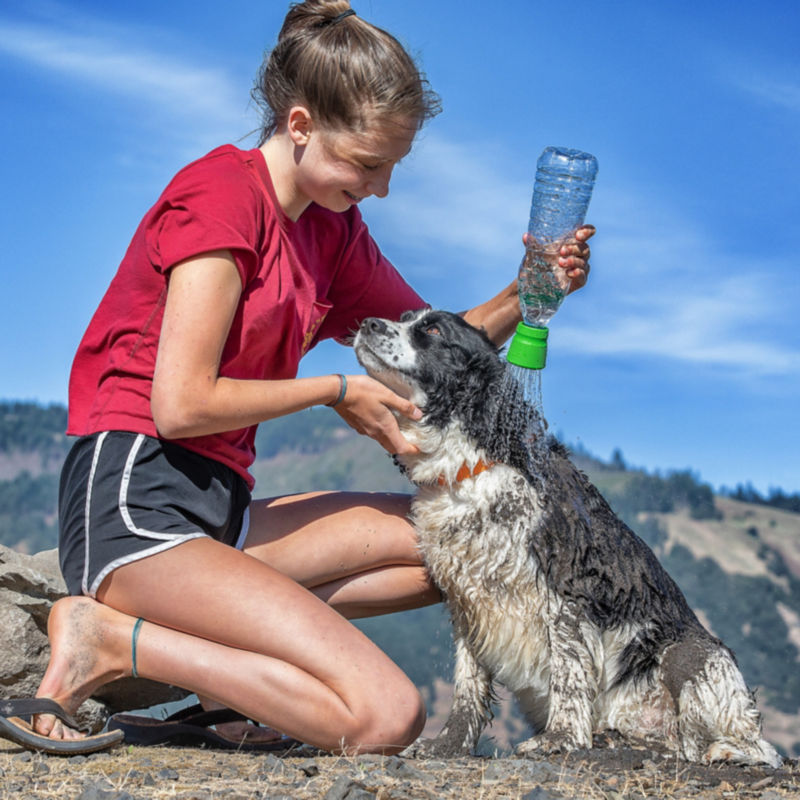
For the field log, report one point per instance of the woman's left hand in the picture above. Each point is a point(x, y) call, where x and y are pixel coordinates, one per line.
point(574, 256)
point(499, 315)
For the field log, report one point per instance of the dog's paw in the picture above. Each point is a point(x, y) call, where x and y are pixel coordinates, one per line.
point(422, 748)
point(434, 748)
point(547, 744)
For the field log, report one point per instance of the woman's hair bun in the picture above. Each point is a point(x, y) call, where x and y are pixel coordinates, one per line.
point(346, 71)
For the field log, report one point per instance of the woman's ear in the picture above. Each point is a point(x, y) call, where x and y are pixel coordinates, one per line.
point(299, 125)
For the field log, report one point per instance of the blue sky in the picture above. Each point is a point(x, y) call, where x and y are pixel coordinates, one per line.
point(682, 351)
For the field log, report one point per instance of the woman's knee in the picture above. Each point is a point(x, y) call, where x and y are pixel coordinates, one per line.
point(410, 723)
point(391, 724)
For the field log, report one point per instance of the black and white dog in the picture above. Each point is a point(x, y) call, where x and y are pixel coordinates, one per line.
point(550, 594)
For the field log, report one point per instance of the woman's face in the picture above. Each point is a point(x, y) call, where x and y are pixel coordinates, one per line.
point(339, 169)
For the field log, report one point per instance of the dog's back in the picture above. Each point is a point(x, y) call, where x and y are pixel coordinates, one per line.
point(594, 557)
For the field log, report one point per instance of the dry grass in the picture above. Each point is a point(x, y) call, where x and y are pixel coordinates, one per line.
point(163, 773)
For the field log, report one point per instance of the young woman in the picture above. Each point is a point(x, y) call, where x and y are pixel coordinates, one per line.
point(246, 261)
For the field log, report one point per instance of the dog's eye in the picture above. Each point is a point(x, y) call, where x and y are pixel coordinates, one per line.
point(433, 330)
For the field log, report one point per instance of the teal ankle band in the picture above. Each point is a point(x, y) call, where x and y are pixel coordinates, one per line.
point(134, 638)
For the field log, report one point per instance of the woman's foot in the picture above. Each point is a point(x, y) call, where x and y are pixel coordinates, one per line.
point(90, 645)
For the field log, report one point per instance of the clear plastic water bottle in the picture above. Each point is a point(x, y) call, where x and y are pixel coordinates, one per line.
point(564, 182)
point(561, 194)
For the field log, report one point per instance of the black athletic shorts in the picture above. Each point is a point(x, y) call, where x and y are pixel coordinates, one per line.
point(125, 496)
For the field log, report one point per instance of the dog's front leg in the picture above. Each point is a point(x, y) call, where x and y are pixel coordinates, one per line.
point(471, 710)
point(572, 691)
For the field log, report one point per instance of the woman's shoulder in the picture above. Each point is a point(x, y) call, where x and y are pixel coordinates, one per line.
point(226, 183)
point(226, 165)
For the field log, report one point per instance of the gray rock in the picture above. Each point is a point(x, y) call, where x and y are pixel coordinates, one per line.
point(167, 774)
point(29, 585)
point(540, 794)
point(502, 769)
point(540, 771)
point(271, 765)
point(98, 791)
point(309, 767)
point(344, 788)
point(402, 770)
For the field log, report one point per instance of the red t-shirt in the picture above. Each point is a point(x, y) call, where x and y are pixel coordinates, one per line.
point(302, 282)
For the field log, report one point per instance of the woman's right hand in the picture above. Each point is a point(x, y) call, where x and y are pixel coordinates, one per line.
point(368, 408)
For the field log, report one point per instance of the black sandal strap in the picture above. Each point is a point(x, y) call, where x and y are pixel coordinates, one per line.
point(29, 707)
point(195, 715)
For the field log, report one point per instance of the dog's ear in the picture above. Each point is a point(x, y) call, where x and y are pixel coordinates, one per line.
point(481, 331)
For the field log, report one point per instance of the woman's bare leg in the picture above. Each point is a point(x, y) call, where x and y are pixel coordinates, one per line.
point(355, 550)
point(229, 627)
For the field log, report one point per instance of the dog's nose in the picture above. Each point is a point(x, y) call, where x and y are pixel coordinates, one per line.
point(374, 325)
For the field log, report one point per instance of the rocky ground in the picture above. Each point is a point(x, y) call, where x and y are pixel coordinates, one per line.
point(606, 773)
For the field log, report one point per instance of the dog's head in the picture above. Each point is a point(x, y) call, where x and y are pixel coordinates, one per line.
point(434, 358)
point(455, 374)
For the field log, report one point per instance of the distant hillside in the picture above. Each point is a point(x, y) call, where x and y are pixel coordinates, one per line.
point(315, 450)
point(736, 556)
point(32, 449)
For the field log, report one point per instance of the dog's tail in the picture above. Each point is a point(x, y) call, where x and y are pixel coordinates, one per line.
point(717, 715)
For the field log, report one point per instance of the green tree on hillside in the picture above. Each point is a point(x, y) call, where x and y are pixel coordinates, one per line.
point(32, 427)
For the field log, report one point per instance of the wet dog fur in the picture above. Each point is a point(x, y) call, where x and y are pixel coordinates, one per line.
point(550, 594)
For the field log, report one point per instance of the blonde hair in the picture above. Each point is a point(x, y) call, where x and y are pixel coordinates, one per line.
point(347, 72)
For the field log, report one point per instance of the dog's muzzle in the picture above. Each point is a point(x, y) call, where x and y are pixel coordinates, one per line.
point(375, 327)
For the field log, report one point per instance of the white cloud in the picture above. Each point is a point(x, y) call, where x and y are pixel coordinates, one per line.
point(686, 299)
point(782, 93)
point(169, 87)
point(715, 331)
point(673, 288)
point(763, 76)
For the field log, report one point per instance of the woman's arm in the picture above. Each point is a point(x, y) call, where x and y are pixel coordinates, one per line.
point(500, 315)
point(190, 398)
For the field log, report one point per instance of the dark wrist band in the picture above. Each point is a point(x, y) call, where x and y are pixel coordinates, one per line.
point(342, 391)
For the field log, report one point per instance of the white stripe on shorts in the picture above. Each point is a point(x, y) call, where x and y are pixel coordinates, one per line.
point(240, 542)
point(123, 496)
point(95, 458)
point(168, 540)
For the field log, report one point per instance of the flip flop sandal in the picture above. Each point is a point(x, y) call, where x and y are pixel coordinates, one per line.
point(15, 728)
point(191, 727)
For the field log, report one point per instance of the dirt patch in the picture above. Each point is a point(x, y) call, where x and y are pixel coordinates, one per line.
point(604, 773)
